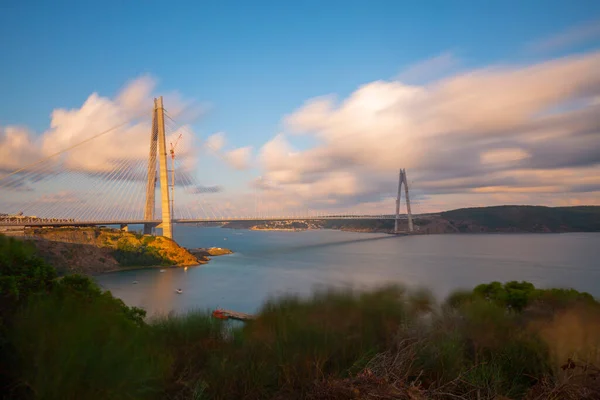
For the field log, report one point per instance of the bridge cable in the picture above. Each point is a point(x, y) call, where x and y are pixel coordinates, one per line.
point(68, 148)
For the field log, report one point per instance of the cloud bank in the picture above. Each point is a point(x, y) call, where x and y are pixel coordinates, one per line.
point(239, 158)
point(130, 112)
point(494, 131)
point(501, 134)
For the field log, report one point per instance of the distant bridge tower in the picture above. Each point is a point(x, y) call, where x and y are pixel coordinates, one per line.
point(158, 142)
point(402, 179)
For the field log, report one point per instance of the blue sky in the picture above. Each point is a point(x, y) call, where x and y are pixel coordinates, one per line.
point(253, 61)
point(256, 61)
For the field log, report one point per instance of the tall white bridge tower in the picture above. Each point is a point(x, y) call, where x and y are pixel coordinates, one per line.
point(158, 143)
point(402, 180)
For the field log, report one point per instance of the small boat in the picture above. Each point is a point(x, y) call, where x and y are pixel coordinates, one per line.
point(185, 268)
point(162, 270)
point(179, 291)
point(134, 282)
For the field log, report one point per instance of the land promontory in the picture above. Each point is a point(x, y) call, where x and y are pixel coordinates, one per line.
point(97, 250)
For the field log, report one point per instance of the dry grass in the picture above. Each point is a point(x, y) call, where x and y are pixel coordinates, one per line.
point(579, 381)
point(573, 333)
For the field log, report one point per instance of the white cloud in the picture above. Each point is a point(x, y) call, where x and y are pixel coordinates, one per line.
point(472, 127)
point(127, 118)
point(215, 142)
point(17, 148)
point(503, 156)
point(429, 69)
point(239, 158)
point(136, 95)
point(485, 134)
point(113, 163)
point(570, 37)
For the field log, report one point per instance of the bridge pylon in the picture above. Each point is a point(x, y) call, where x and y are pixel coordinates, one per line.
point(158, 142)
point(151, 183)
point(402, 180)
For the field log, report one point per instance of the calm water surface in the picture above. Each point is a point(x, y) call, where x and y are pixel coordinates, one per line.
point(270, 263)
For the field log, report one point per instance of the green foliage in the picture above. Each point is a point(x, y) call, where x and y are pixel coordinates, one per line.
point(139, 255)
point(67, 339)
point(22, 272)
point(93, 346)
point(517, 296)
point(296, 341)
point(442, 354)
point(22, 275)
point(458, 298)
point(504, 358)
point(514, 295)
point(193, 341)
point(70, 327)
point(148, 239)
point(561, 298)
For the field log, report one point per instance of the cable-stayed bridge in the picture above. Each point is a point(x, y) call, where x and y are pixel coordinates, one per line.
point(115, 177)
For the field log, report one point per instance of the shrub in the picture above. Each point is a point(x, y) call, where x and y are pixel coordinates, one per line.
point(518, 296)
point(78, 345)
point(192, 341)
point(148, 239)
point(295, 341)
point(22, 272)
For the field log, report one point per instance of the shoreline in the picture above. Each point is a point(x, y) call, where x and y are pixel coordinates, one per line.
point(123, 269)
point(219, 253)
point(416, 233)
point(279, 229)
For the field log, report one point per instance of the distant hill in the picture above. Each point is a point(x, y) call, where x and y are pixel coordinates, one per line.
point(525, 219)
point(464, 220)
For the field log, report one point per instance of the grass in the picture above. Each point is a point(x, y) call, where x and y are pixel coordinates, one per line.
point(66, 339)
point(74, 349)
point(389, 342)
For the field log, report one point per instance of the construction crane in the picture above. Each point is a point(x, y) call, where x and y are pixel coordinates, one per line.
point(172, 151)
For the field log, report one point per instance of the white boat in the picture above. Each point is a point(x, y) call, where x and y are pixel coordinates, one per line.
point(134, 282)
point(179, 291)
point(162, 270)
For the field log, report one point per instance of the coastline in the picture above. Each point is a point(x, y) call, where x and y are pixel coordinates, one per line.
point(122, 269)
point(279, 229)
point(200, 253)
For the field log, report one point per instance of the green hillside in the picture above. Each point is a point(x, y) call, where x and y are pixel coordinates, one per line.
point(527, 218)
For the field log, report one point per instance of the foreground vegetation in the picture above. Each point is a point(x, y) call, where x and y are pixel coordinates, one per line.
point(66, 339)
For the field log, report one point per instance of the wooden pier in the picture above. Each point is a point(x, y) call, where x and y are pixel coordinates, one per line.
point(228, 314)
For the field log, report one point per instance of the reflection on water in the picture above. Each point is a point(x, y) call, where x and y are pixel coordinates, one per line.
point(271, 263)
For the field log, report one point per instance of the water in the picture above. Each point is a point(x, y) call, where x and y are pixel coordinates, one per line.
point(270, 263)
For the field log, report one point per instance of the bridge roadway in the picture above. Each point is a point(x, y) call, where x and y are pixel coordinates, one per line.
point(69, 222)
